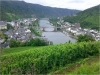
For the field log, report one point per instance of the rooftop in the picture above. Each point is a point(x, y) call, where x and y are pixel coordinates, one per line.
point(2, 23)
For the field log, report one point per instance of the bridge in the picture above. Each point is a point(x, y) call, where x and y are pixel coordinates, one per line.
point(55, 28)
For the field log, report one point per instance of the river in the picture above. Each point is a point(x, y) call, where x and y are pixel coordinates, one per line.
point(55, 37)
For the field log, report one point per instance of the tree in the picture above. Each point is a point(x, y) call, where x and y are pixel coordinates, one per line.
point(9, 27)
point(22, 24)
point(12, 43)
point(32, 42)
point(86, 38)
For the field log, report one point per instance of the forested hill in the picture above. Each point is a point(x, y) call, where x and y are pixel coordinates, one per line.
point(88, 18)
point(18, 9)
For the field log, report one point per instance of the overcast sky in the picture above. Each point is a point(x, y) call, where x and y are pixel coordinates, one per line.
point(71, 4)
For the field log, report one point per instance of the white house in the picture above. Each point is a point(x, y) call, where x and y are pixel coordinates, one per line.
point(3, 25)
point(28, 31)
point(12, 23)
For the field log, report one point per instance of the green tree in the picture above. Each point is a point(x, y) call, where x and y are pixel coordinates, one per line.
point(9, 27)
point(38, 42)
point(32, 42)
point(22, 24)
point(12, 43)
point(86, 38)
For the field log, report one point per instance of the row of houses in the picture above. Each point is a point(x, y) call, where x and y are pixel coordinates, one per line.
point(76, 30)
point(20, 31)
point(25, 21)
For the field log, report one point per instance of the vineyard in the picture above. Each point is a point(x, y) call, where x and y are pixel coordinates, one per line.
point(43, 60)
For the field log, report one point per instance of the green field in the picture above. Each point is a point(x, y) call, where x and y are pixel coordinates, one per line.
point(46, 59)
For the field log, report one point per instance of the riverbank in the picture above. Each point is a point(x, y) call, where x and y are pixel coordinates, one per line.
point(54, 22)
point(70, 34)
point(36, 32)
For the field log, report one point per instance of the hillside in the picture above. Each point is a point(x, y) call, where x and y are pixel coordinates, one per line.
point(47, 59)
point(82, 67)
point(88, 18)
point(18, 9)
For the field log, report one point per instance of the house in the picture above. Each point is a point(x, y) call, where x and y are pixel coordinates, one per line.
point(79, 33)
point(77, 25)
point(1, 40)
point(28, 31)
point(11, 23)
point(73, 30)
point(3, 25)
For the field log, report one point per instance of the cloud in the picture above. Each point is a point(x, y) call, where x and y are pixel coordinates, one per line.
point(70, 4)
point(76, 1)
point(10, 0)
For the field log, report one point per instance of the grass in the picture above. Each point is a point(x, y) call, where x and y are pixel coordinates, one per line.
point(93, 68)
point(87, 66)
point(16, 50)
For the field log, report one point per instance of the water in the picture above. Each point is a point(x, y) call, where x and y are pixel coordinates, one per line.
point(55, 37)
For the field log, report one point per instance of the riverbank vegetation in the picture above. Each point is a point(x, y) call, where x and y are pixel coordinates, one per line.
point(54, 21)
point(32, 42)
point(86, 38)
point(44, 60)
point(35, 23)
point(35, 31)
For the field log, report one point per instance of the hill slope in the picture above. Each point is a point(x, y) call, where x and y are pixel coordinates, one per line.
point(43, 60)
point(82, 67)
point(88, 18)
point(18, 9)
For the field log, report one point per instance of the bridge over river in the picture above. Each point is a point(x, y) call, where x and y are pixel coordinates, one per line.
point(54, 28)
point(50, 33)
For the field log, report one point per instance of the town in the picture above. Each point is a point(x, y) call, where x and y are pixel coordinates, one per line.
point(20, 30)
point(75, 29)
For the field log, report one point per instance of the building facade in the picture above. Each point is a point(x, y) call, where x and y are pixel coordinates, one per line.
point(3, 25)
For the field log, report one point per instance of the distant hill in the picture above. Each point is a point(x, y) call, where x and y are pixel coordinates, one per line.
point(88, 18)
point(19, 9)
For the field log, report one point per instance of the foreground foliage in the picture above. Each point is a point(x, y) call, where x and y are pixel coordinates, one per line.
point(43, 60)
point(86, 66)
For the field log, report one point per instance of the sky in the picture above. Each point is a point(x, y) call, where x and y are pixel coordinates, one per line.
point(70, 4)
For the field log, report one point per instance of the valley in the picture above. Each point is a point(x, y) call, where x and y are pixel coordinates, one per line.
point(36, 38)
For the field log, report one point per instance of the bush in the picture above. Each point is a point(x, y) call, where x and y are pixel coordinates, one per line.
point(86, 38)
point(32, 42)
